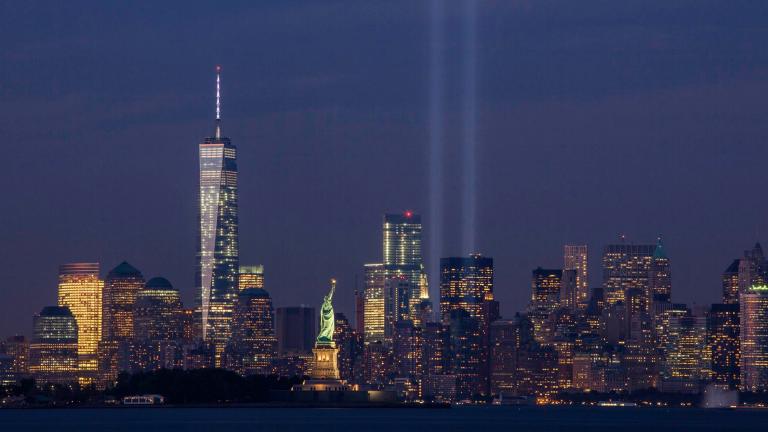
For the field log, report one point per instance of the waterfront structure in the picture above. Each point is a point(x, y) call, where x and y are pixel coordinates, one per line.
point(374, 303)
point(626, 266)
point(753, 338)
point(53, 351)
point(218, 258)
point(731, 283)
point(723, 334)
point(575, 258)
point(80, 290)
point(253, 344)
point(250, 277)
point(295, 330)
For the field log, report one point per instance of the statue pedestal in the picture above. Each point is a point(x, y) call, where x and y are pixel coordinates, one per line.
point(325, 365)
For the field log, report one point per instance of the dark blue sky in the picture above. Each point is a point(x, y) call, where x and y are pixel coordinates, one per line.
point(594, 118)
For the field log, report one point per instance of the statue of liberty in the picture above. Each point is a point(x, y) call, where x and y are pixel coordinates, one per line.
point(327, 318)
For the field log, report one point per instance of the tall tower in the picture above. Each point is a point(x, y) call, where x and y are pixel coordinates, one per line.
point(402, 254)
point(753, 338)
point(218, 256)
point(575, 258)
point(80, 290)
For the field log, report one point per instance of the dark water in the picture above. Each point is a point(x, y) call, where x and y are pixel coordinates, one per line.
point(484, 419)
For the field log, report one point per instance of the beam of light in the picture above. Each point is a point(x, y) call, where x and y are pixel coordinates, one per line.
point(469, 145)
point(436, 83)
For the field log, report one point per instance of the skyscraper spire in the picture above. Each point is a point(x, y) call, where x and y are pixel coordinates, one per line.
point(218, 101)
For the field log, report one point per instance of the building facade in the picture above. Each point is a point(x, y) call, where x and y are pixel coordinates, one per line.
point(253, 345)
point(575, 258)
point(218, 256)
point(53, 351)
point(80, 290)
point(753, 338)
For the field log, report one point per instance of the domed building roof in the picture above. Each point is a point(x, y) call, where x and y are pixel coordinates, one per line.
point(159, 283)
point(124, 269)
point(56, 311)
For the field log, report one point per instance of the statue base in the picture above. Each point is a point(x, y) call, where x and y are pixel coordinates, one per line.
point(325, 365)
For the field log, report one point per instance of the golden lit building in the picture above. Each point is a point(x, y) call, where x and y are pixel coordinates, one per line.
point(250, 277)
point(80, 289)
point(731, 283)
point(373, 303)
point(253, 345)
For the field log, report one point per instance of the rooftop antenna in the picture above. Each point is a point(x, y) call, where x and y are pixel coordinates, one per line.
point(218, 101)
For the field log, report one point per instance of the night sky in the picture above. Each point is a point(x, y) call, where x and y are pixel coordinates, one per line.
point(593, 119)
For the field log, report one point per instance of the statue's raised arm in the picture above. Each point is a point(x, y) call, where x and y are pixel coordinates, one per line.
point(327, 319)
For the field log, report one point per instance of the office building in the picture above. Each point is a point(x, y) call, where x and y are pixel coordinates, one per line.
point(374, 303)
point(626, 266)
point(575, 258)
point(250, 277)
point(731, 283)
point(218, 259)
point(723, 333)
point(80, 290)
point(753, 338)
point(53, 351)
point(253, 345)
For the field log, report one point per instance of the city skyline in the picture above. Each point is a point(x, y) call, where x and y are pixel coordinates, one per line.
point(105, 218)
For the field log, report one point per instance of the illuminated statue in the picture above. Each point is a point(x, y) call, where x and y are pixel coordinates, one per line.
point(327, 319)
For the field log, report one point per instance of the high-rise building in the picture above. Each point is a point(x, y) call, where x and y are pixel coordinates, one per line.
point(218, 257)
point(402, 252)
point(407, 350)
point(295, 329)
point(80, 290)
point(575, 258)
point(374, 303)
point(660, 277)
point(250, 277)
point(350, 344)
point(752, 269)
point(16, 348)
point(545, 297)
point(467, 354)
point(723, 333)
point(157, 326)
point(465, 283)
point(253, 344)
point(626, 266)
point(731, 283)
point(53, 352)
point(359, 311)
point(120, 288)
point(686, 365)
point(753, 338)
point(397, 291)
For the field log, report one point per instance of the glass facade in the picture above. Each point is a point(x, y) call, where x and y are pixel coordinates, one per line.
point(253, 345)
point(53, 352)
point(218, 249)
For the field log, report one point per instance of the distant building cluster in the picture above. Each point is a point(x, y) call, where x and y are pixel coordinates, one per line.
point(624, 335)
